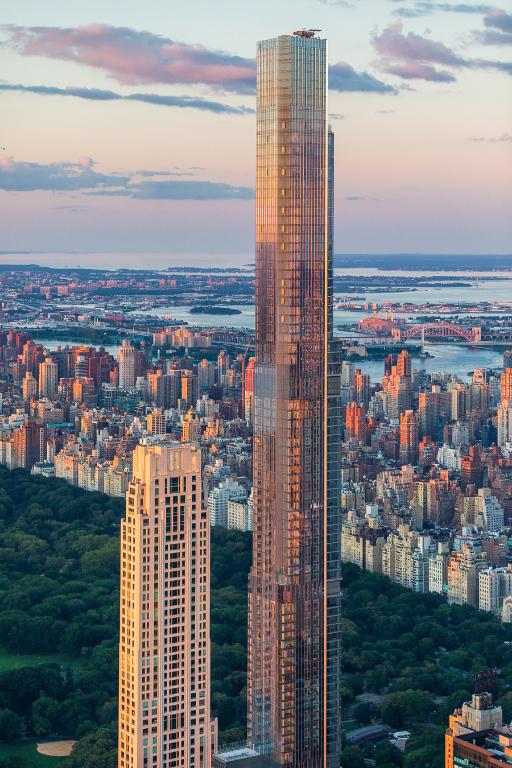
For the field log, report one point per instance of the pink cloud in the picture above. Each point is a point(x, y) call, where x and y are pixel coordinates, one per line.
point(412, 56)
point(415, 70)
point(135, 57)
point(394, 43)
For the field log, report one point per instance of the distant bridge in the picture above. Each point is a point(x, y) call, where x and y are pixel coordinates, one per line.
point(439, 331)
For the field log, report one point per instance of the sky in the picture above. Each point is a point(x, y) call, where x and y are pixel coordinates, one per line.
point(129, 127)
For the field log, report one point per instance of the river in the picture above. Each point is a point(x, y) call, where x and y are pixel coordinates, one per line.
point(452, 358)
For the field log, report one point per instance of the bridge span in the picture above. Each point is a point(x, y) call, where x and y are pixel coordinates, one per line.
point(440, 330)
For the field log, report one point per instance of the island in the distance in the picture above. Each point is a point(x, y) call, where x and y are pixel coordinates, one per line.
point(214, 310)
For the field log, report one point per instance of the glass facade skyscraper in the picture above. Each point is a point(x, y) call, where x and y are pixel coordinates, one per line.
point(294, 585)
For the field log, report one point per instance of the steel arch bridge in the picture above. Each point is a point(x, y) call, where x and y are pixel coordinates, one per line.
point(441, 331)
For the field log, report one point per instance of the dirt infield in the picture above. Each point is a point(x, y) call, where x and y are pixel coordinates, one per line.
point(56, 748)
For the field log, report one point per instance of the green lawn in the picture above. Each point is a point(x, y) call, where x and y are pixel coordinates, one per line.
point(27, 750)
point(12, 661)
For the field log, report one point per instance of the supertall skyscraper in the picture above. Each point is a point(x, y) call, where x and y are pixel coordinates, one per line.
point(164, 650)
point(294, 585)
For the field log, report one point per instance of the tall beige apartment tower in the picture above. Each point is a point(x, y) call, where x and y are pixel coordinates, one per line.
point(164, 650)
point(294, 654)
point(48, 378)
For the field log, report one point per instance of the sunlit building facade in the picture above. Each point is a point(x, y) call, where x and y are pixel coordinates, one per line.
point(294, 585)
point(164, 651)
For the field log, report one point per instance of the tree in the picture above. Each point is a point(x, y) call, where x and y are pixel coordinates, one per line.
point(10, 725)
point(96, 750)
point(429, 755)
point(387, 755)
point(405, 708)
point(44, 715)
point(364, 712)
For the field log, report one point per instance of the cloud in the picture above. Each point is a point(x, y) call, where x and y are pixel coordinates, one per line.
point(344, 78)
point(502, 66)
point(336, 116)
point(81, 176)
point(360, 198)
point(337, 3)
point(174, 172)
point(424, 8)
point(414, 57)
point(97, 94)
point(411, 47)
point(505, 138)
point(498, 28)
point(136, 57)
point(499, 20)
point(73, 208)
point(418, 71)
point(55, 177)
point(189, 190)
point(178, 190)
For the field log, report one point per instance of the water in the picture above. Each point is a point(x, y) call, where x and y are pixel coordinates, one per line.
point(115, 261)
point(493, 290)
point(182, 312)
point(452, 358)
point(460, 359)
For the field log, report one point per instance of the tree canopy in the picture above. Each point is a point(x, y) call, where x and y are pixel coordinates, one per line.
point(59, 598)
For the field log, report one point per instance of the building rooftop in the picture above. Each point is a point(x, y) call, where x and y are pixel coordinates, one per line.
point(237, 753)
point(368, 733)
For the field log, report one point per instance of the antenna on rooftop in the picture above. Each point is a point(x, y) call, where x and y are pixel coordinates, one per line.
point(306, 32)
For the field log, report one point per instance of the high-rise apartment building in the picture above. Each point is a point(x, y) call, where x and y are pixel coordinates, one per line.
point(32, 355)
point(164, 389)
point(191, 428)
point(223, 365)
point(398, 395)
point(505, 422)
point(29, 444)
point(29, 387)
point(188, 387)
point(429, 407)
point(219, 498)
point(48, 378)
point(404, 364)
point(494, 585)
point(355, 422)
point(362, 387)
point(506, 384)
point(82, 356)
point(248, 390)
point(131, 364)
point(205, 376)
point(476, 735)
point(164, 650)
point(463, 572)
point(408, 437)
point(294, 585)
point(156, 422)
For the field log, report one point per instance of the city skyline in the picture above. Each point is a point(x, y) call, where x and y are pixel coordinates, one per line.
point(424, 494)
point(419, 98)
point(255, 439)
